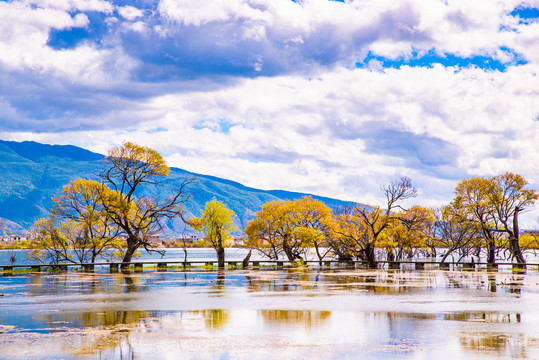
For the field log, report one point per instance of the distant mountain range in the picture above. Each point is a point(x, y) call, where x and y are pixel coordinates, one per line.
point(32, 173)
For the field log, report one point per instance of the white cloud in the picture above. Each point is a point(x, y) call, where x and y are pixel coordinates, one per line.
point(193, 12)
point(348, 131)
point(185, 80)
point(25, 31)
point(130, 12)
point(72, 5)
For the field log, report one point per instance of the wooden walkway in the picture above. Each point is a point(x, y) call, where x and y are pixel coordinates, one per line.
point(138, 266)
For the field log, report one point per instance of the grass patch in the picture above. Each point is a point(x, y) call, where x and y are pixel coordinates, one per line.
point(17, 271)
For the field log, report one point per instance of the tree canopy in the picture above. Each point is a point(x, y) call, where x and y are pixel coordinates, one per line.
point(493, 206)
point(289, 227)
point(217, 223)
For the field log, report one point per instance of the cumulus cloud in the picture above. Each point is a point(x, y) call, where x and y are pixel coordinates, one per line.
point(322, 96)
point(130, 12)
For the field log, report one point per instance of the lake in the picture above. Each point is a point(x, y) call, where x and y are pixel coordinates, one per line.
point(268, 314)
point(171, 254)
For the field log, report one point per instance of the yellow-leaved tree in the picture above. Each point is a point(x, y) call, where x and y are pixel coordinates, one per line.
point(290, 227)
point(454, 232)
point(410, 233)
point(78, 229)
point(360, 229)
point(129, 168)
point(91, 216)
point(217, 223)
point(494, 205)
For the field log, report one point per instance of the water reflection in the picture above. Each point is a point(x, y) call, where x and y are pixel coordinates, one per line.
point(494, 343)
point(389, 282)
point(385, 282)
point(304, 318)
point(87, 319)
point(487, 342)
point(219, 288)
point(288, 280)
point(254, 313)
point(214, 318)
point(487, 317)
point(131, 283)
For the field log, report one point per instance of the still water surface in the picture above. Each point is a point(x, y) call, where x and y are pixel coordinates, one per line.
point(171, 254)
point(268, 314)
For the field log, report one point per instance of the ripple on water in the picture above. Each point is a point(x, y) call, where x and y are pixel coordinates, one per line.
point(257, 314)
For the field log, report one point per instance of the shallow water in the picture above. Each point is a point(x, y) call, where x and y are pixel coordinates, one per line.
point(264, 314)
point(171, 254)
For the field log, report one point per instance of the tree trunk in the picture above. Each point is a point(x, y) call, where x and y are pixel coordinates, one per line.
point(491, 249)
point(516, 251)
point(288, 251)
point(220, 257)
point(129, 252)
point(220, 250)
point(444, 257)
point(369, 256)
point(246, 260)
point(514, 241)
point(275, 252)
point(320, 257)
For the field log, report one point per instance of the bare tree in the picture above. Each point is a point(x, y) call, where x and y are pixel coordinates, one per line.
point(363, 225)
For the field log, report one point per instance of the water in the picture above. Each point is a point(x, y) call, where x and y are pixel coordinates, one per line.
point(235, 254)
point(267, 314)
point(171, 254)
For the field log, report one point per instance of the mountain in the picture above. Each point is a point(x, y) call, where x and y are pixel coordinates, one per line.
point(32, 173)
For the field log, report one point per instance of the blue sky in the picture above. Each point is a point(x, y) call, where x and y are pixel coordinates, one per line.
point(330, 97)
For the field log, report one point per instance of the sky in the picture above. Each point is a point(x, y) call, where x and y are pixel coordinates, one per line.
point(326, 97)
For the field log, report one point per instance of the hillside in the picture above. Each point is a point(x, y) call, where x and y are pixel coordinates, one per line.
point(31, 173)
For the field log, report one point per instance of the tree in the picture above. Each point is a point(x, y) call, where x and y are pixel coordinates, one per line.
point(90, 216)
point(3, 235)
point(313, 222)
point(127, 169)
point(78, 229)
point(216, 222)
point(269, 229)
point(411, 232)
point(494, 204)
point(350, 235)
point(471, 204)
point(367, 226)
point(453, 232)
point(509, 198)
point(290, 227)
point(47, 243)
point(85, 223)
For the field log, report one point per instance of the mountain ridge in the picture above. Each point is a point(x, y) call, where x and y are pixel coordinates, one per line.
point(31, 173)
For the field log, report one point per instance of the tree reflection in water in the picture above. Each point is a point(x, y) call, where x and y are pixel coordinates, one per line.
point(102, 332)
point(486, 317)
point(92, 319)
point(288, 280)
point(513, 347)
point(389, 282)
point(131, 283)
point(214, 318)
point(303, 318)
point(96, 314)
